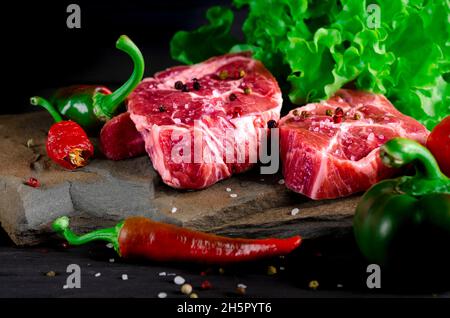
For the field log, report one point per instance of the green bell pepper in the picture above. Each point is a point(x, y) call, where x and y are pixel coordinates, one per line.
point(395, 206)
point(92, 105)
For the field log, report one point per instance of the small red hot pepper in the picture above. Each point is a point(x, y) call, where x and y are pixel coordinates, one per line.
point(67, 143)
point(143, 238)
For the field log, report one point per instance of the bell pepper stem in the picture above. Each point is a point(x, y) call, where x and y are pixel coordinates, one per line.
point(401, 151)
point(39, 101)
point(106, 105)
point(398, 152)
point(110, 235)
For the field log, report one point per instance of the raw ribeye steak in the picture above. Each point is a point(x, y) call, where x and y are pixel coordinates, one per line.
point(331, 149)
point(220, 106)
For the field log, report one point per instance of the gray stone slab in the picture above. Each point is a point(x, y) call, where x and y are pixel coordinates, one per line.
point(104, 192)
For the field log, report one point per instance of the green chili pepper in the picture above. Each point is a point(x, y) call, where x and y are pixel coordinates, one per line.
point(395, 206)
point(90, 105)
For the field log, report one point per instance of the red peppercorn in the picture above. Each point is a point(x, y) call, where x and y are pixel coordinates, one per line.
point(33, 182)
point(237, 112)
point(337, 119)
point(339, 112)
point(206, 285)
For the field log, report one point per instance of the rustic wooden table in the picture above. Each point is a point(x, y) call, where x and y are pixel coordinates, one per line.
point(334, 263)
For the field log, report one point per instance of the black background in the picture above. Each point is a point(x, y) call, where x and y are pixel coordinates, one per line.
point(40, 53)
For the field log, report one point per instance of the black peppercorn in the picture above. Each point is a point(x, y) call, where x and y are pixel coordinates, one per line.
point(179, 85)
point(196, 85)
point(272, 123)
point(233, 97)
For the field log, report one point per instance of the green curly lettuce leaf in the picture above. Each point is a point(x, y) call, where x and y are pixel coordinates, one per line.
point(399, 48)
point(208, 40)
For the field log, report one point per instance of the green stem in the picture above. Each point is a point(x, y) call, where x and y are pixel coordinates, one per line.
point(39, 101)
point(111, 235)
point(398, 152)
point(106, 105)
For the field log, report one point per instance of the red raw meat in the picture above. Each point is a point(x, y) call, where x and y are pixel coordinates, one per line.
point(327, 156)
point(229, 93)
point(119, 138)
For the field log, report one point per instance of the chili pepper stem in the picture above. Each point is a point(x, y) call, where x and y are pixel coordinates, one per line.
point(398, 152)
point(110, 235)
point(105, 105)
point(39, 101)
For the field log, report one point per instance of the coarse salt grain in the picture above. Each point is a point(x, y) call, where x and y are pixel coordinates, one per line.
point(174, 209)
point(228, 189)
point(97, 274)
point(111, 260)
point(162, 274)
point(233, 195)
point(171, 274)
point(241, 286)
point(281, 181)
point(109, 245)
point(295, 211)
point(124, 277)
point(177, 120)
point(179, 280)
point(162, 295)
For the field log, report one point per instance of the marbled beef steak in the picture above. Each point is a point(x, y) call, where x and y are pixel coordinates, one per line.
point(330, 149)
point(230, 93)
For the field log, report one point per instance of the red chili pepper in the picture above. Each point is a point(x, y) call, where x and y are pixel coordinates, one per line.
point(119, 138)
point(67, 143)
point(144, 238)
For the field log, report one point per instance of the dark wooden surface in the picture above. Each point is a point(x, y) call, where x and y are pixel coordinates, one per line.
point(334, 263)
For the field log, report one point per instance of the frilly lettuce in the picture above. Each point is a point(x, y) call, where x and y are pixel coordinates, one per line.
point(321, 46)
